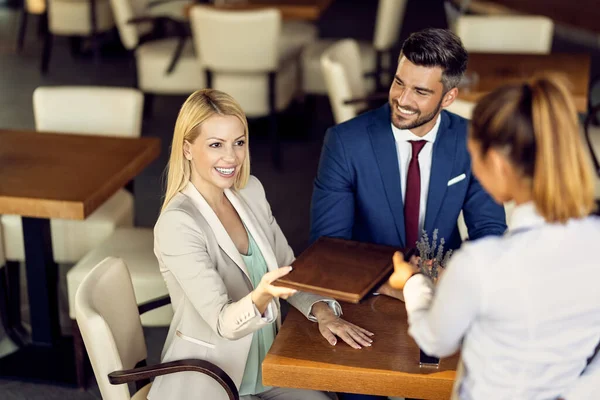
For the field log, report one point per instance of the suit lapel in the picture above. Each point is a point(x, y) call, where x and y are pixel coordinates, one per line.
point(442, 160)
point(223, 239)
point(384, 147)
point(254, 227)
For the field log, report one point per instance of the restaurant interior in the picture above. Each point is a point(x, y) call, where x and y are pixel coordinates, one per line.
point(123, 68)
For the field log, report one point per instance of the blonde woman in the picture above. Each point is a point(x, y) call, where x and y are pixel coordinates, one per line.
point(525, 307)
point(219, 249)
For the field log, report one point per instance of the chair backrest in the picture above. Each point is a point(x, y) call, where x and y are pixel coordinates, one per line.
point(505, 33)
point(461, 107)
point(123, 11)
point(107, 315)
point(236, 41)
point(390, 14)
point(341, 66)
point(89, 109)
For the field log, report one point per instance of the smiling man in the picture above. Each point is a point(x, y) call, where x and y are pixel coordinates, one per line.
point(388, 174)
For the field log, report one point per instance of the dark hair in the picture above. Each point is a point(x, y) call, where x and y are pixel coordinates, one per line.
point(535, 126)
point(437, 48)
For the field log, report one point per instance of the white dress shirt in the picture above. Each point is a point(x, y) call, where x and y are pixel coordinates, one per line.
point(404, 150)
point(526, 307)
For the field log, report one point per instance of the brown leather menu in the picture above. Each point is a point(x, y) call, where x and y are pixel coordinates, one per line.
point(345, 270)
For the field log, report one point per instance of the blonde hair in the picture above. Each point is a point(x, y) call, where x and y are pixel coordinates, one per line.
point(200, 106)
point(535, 124)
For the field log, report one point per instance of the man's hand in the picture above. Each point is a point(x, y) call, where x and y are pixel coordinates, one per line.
point(330, 326)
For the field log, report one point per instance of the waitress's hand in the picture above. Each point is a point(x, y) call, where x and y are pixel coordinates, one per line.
point(266, 291)
point(390, 290)
point(402, 271)
point(330, 326)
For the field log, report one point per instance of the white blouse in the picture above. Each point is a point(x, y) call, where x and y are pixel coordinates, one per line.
point(526, 307)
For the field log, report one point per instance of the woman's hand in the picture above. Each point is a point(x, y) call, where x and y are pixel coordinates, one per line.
point(402, 270)
point(265, 291)
point(330, 326)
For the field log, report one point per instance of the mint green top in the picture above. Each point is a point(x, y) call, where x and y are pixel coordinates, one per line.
point(264, 337)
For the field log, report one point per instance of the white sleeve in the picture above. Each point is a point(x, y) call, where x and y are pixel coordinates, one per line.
point(439, 317)
point(588, 384)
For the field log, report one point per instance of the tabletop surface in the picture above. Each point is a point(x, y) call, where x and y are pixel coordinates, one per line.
point(494, 70)
point(300, 357)
point(51, 175)
point(309, 10)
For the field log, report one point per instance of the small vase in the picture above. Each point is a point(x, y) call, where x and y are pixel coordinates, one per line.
point(428, 361)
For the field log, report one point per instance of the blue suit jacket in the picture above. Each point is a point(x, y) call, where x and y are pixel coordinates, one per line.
point(357, 192)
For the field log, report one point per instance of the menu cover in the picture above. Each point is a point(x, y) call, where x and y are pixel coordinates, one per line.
point(345, 270)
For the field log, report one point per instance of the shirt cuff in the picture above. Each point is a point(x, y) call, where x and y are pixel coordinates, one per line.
point(334, 305)
point(268, 316)
point(418, 293)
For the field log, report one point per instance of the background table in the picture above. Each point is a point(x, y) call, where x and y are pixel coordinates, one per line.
point(306, 10)
point(301, 358)
point(495, 70)
point(43, 176)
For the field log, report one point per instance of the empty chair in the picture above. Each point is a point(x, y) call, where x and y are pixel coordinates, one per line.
point(81, 18)
point(245, 55)
point(135, 246)
point(83, 110)
point(375, 55)
point(164, 66)
point(505, 33)
point(109, 318)
point(342, 70)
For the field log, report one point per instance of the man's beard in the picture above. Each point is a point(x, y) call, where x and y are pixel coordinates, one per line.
point(421, 120)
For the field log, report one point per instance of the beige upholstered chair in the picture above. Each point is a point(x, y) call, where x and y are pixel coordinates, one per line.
point(342, 70)
point(462, 107)
point(84, 18)
point(164, 66)
point(375, 56)
point(505, 33)
point(85, 110)
point(135, 246)
point(109, 318)
point(245, 54)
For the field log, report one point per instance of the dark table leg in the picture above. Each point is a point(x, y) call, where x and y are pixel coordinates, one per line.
point(46, 356)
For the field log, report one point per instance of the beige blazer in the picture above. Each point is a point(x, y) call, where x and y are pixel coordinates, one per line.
point(214, 317)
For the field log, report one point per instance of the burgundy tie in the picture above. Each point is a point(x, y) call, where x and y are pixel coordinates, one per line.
point(412, 198)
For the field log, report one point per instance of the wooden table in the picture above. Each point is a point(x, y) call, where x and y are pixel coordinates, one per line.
point(301, 358)
point(495, 70)
point(582, 14)
point(306, 10)
point(43, 176)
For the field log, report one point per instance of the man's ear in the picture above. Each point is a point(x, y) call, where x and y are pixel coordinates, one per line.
point(187, 151)
point(449, 97)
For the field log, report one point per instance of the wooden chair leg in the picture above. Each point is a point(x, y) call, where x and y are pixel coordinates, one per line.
point(148, 105)
point(42, 27)
point(274, 135)
point(46, 53)
point(80, 356)
point(12, 291)
point(22, 30)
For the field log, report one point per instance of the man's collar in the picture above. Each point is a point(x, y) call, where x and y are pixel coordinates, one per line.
point(404, 135)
